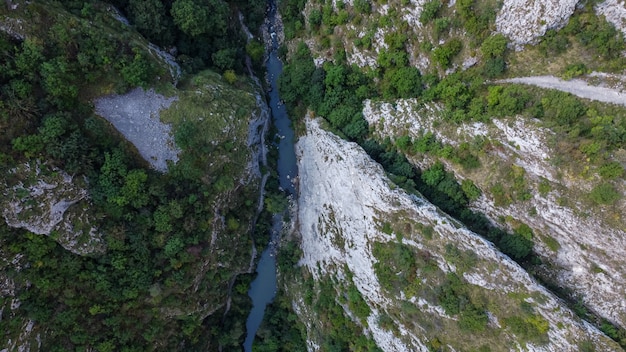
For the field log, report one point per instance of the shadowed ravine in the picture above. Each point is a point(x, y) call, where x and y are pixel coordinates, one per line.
point(263, 288)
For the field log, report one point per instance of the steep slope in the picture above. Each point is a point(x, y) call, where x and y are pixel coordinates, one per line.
point(99, 249)
point(425, 281)
point(583, 242)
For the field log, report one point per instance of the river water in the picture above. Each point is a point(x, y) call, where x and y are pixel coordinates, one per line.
point(263, 288)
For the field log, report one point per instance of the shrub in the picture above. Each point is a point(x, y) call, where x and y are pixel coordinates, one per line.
point(471, 191)
point(363, 6)
point(494, 46)
point(604, 194)
point(574, 70)
point(611, 170)
point(516, 246)
point(494, 67)
point(473, 319)
point(230, 76)
point(315, 18)
point(562, 109)
point(444, 54)
point(429, 11)
point(441, 25)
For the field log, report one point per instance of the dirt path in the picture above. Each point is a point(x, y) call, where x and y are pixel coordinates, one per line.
point(578, 87)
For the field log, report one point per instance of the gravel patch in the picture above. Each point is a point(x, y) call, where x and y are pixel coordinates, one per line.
point(577, 87)
point(136, 116)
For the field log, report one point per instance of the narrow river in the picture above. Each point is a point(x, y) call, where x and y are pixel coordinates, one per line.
point(263, 288)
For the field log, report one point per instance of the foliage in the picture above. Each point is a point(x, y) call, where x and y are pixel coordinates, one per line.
point(507, 101)
point(531, 328)
point(477, 20)
point(472, 192)
point(611, 170)
point(396, 267)
point(453, 296)
point(516, 246)
point(230, 76)
point(291, 12)
point(604, 194)
point(429, 11)
point(281, 329)
point(494, 46)
point(561, 109)
point(192, 16)
point(150, 17)
point(156, 227)
point(443, 54)
point(337, 331)
point(405, 82)
point(597, 34)
point(363, 6)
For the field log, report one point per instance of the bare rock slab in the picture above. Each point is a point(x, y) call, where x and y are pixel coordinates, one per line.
point(136, 116)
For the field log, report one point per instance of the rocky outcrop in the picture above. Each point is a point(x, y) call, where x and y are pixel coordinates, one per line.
point(47, 201)
point(581, 243)
point(344, 200)
point(524, 21)
point(615, 12)
point(136, 116)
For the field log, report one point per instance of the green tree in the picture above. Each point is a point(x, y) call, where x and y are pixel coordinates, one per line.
point(494, 46)
point(150, 18)
point(195, 17)
point(139, 71)
point(444, 54)
point(429, 11)
point(604, 194)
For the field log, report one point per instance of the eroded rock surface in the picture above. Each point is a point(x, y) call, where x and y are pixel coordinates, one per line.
point(524, 21)
point(136, 115)
point(48, 201)
point(584, 248)
point(615, 12)
point(345, 197)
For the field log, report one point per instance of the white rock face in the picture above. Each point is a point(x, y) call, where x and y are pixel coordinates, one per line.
point(523, 21)
point(51, 203)
point(590, 258)
point(136, 115)
point(615, 12)
point(344, 195)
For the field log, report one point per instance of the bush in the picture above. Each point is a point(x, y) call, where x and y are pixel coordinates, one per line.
point(574, 70)
point(562, 109)
point(404, 82)
point(230, 76)
point(363, 6)
point(429, 11)
point(441, 25)
point(507, 101)
point(315, 18)
point(473, 319)
point(494, 46)
point(471, 191)
point(494, 67)
point(611, 170)
point(516, 246)
point(604, 194)
point(444, 54)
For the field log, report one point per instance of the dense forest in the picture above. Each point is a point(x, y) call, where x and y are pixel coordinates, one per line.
point(160, 280)
point(163, 277)
point(590, 132)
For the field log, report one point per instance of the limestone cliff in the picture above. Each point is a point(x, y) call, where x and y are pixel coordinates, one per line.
point(584, 243)
point(350, 215)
